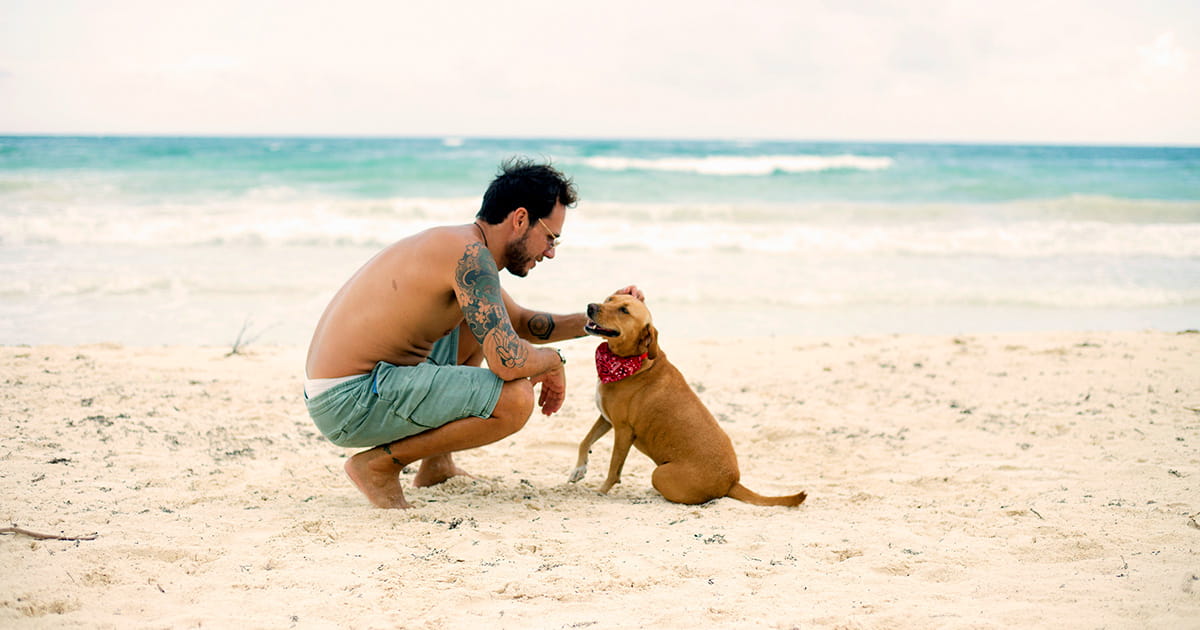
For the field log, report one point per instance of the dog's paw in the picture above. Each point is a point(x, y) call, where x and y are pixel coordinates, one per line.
point(577, 474)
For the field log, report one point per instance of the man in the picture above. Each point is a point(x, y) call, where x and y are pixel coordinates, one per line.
point(394, 362)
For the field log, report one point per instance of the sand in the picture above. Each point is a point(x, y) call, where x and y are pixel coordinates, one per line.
point(993, 481)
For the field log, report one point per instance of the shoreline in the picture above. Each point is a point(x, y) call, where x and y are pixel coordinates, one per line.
point(1033, 479)
point(682, 323)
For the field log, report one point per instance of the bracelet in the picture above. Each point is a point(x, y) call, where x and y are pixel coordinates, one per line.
point(561, 356)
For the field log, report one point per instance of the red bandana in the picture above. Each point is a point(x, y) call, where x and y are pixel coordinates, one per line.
point(612, 368)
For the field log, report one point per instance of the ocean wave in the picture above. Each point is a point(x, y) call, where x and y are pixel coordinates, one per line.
point(261, 219)
point(1102, 208)
point(152, 276)
point(1074, 208)
point(1069, 226)
point(743, 165)
point(680, 283)
point(1032, 239)
point(130, 284)
point(1022, 240)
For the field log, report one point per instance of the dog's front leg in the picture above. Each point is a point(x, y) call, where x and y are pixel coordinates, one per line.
point(598, 430)
point(621, 443)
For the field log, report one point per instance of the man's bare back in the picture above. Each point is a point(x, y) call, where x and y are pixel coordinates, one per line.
point(394, 308)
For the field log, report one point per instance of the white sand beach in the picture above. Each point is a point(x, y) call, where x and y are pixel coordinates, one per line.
point(1033, 480)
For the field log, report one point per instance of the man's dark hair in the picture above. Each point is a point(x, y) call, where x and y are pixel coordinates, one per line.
point(523, 183)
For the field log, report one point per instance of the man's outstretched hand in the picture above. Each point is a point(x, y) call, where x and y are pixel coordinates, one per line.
point(634, 291)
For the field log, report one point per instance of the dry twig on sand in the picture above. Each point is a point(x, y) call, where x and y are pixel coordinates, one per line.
point(20, 530)
point(242, 340)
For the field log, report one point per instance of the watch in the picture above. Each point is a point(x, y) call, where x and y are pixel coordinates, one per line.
point(561, 357)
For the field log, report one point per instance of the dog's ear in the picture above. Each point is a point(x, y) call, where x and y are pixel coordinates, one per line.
point(648, 343)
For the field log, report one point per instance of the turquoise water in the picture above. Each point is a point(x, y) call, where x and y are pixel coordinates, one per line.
point(157, 169)
point(182, 240)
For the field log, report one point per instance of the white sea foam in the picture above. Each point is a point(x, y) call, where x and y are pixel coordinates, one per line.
point(264, 220)
point(265, 217)
point(279, 255)
point(743, 165)
point(1032, 239)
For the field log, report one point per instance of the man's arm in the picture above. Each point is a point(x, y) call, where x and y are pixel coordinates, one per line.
point(477, 287)
point(538, 327)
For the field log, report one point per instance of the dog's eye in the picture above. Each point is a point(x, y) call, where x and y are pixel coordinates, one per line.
point(625, 310)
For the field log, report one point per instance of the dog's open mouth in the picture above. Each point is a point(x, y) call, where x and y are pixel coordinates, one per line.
point(592, 328)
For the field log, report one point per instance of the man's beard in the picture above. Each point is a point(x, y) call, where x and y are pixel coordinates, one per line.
point(518, 261)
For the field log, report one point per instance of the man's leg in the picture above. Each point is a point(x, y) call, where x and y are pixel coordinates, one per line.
point(438, 468)
point(376, 471)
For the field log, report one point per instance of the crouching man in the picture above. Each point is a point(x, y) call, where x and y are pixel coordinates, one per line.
point(394, 363)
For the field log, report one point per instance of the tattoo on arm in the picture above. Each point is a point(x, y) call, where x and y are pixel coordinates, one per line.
point(478, 287)
point(541, 326)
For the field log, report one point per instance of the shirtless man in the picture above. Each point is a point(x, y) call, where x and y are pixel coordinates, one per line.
point(394, 362)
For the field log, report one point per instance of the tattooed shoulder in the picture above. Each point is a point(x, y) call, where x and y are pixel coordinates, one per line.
point(477, 282)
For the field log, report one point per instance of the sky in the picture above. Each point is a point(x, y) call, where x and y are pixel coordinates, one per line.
point(1072, 71)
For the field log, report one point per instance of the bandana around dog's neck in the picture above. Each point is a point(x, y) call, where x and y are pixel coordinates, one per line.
point(612, 368)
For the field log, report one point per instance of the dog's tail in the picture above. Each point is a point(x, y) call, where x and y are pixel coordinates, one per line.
point(742, 493)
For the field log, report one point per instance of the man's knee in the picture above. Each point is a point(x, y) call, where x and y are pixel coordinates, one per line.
point(515, 404)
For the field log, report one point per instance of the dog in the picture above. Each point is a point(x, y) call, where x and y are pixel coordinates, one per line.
point(649, 405)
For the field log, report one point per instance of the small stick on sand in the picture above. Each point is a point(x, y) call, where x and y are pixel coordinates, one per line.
point(20, 530)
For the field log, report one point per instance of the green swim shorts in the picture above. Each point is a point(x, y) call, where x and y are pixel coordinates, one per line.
point(394, 402)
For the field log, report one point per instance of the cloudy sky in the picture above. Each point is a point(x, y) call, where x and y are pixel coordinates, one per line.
point(1080, 71)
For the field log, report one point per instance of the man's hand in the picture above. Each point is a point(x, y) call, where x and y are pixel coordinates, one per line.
point(554, 390)
point(634, 291)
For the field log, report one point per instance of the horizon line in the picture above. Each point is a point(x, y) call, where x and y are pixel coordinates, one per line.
point(591, 138)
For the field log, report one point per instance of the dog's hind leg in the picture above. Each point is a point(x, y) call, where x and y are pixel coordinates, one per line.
point(683, 483)
point(601, 427)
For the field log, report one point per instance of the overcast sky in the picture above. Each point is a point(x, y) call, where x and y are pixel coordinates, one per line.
point(1081, 71)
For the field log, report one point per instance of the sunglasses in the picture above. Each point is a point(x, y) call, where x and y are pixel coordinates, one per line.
point(555, 239)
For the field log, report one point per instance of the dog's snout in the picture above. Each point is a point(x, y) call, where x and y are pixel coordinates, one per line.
point(591, 309)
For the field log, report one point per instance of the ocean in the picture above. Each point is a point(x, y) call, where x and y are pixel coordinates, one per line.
point(148, 241)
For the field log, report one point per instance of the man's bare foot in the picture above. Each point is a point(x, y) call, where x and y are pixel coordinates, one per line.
point(377, 475)
point(436, 469)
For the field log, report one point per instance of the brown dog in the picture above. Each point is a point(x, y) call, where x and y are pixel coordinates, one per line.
point(649, 404)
